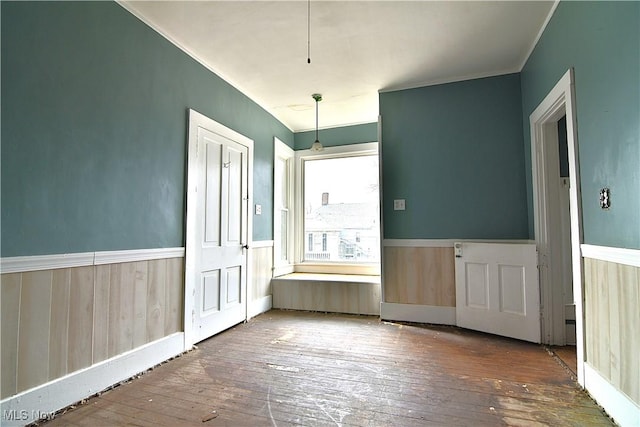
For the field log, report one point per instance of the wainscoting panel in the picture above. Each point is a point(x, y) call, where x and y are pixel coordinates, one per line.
point(55, 322)
point(33, 333)
point(10, 319)
point(327, 292)
point(419, 275)
point(261, 271)
point(612, 295)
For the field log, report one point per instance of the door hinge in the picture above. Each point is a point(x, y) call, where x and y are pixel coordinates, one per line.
point(457, 249)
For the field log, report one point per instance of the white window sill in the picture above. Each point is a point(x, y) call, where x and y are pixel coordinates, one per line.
point(325, 277)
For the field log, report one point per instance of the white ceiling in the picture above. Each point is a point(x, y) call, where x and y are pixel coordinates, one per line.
point(358, 48)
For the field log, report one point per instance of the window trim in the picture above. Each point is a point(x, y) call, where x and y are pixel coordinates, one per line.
point(351, 150)
point(280, 267)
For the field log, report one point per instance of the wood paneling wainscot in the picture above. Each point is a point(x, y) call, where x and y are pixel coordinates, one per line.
point(261, 271)
point(612, 295)
point(419, 275)
point(56, 322)
point(335, 293)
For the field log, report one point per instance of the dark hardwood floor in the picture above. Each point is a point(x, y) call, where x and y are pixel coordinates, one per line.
point(296, 368)
point(567, 355)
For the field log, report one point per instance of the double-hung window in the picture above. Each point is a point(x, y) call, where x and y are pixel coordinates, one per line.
point(336, 212)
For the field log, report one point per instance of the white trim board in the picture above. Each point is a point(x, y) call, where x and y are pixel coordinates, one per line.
point(547, 209)
point(443, 243)
point(539, 35)
point(606, 253)
point(364, 279)
point(116, 257)
point(623, 410)
point(418, 313)
point(447, 80)
point(58, 394)
point(259, 306)
point(21, 264)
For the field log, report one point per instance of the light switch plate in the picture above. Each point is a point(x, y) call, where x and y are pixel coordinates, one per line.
point(399, 205)
point(258, 209)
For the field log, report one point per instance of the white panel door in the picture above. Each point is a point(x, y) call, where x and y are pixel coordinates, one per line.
point(221, 234)
point(497, 289)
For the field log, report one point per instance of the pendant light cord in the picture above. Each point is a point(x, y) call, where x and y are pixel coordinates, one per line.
point(308, 31)
point(317, 120)
point(316, 146)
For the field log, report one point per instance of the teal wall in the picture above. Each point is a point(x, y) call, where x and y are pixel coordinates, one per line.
point(601, 41)
point(344, 135)
point(455, 153)
point(94, 130)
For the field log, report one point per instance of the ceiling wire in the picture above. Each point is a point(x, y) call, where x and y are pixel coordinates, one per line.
point(308, 31)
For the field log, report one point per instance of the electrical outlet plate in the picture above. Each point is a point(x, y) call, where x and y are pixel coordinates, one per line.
point(605, 198)
point(258, 209)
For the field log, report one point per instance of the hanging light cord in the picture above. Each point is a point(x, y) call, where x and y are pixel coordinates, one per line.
point(317, 120)
point(316, 146)
point(308, 31)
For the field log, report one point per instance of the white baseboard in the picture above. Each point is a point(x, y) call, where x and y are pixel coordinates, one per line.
point(260, 306)
point(418, 313)
point(30, 405)
point(621, 408)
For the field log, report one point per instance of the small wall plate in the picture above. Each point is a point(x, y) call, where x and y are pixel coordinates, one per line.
point(605, 198)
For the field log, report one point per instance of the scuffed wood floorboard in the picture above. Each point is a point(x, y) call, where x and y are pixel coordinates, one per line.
point(286, 368)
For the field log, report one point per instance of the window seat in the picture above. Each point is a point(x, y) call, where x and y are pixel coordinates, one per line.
point(337, 293)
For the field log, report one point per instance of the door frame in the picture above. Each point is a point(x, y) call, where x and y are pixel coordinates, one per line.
point(197, 120)
point(544, 140)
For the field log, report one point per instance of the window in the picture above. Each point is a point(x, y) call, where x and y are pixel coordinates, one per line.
point(341, 201)
point(283, 215)
point(331, 222)
point(337, 202)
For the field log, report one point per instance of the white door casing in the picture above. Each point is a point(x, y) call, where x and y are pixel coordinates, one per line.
point(549, 229)
point(497, 289)
point(560, 101)
point(218, 228)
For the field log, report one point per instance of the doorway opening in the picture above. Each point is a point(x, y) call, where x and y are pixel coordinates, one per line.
point(566, 279)
point(558, 220)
